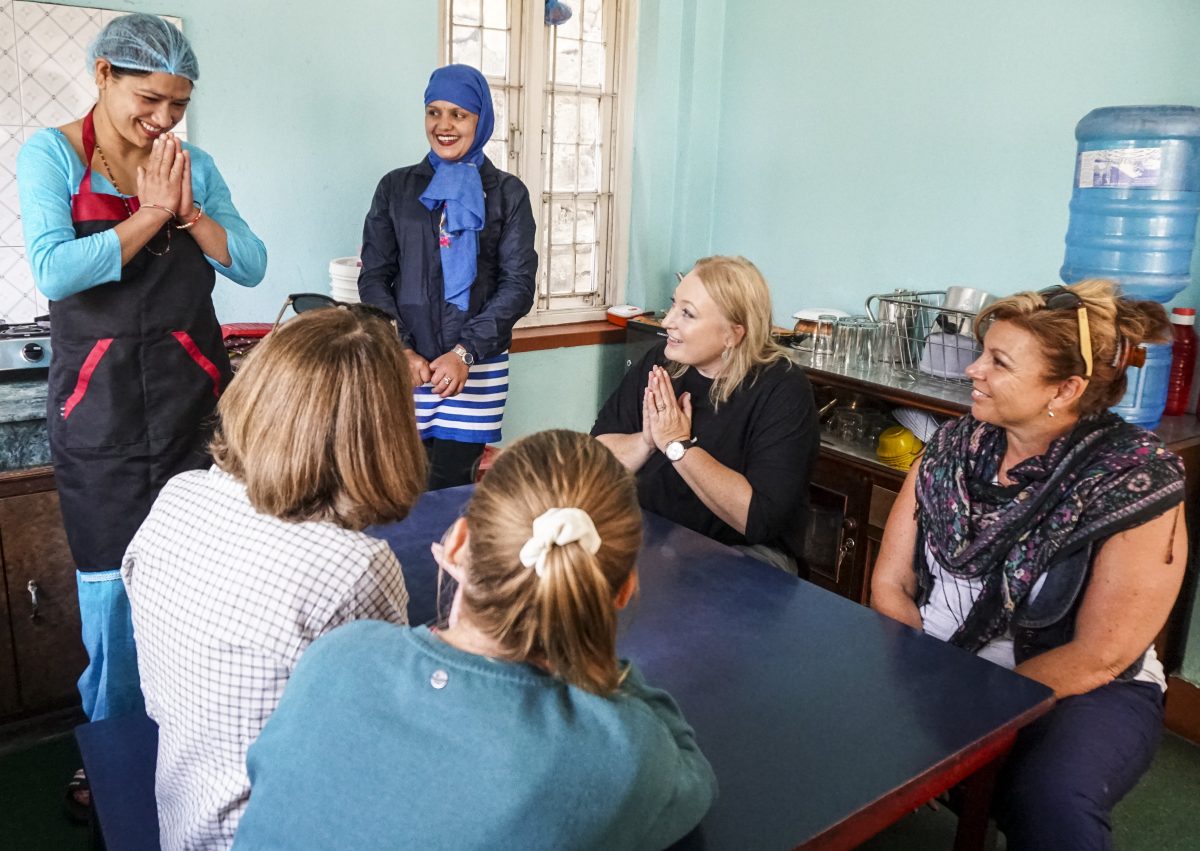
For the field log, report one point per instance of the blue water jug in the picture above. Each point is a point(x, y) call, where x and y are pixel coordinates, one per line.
point(1136, 197)
point(1146, 389)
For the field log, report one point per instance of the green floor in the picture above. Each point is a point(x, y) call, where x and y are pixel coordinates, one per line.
point(1160, 814)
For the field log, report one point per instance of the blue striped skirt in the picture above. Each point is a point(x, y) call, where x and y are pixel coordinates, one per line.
point(474, 415)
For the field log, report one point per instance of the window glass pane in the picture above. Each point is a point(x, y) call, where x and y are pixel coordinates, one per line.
point(562, 216)
point(585, 266)
point(566, 117)
point(562, 269)
point(465, 12)
point(592, 20)
point(593, 65)
point(588, 179)
point(571, 28)
point(566, 68)
point(497, 151)
point(585, 223)
point(465, 47)
point(495, 53)
point(589, 120)
point(495, 13)
point(563, 171)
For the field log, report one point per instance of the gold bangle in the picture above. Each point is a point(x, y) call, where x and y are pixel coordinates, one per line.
point(170, 213)
point(195, 218)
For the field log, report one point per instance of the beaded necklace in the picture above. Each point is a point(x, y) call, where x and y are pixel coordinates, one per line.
point(128, 209)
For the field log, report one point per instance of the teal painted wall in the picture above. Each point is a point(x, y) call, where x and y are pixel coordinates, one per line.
point(560, 388)
point(879, 144)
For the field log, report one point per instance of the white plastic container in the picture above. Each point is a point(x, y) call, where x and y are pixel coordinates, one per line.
point(343, 279)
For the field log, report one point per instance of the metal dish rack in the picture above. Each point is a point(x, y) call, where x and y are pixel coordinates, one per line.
point(924, 339)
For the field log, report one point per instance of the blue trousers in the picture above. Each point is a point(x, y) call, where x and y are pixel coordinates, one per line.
point(1069, 768)
point(110, 685)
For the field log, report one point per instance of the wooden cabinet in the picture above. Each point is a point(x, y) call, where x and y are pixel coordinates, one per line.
point(849, 500)
point(41, 654)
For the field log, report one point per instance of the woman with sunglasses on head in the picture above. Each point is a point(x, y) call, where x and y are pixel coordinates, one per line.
point(125, 227)
point(515, 725)
point(240, 567)
point(448, 250)
point(1046, 534)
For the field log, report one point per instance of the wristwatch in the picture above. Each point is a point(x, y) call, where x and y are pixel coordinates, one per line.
point(676, 448)
point(462, 352)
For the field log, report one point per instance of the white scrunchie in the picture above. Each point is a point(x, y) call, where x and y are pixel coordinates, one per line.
point(556, 527)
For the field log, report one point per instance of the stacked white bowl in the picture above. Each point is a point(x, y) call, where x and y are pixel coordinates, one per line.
point(343, 279)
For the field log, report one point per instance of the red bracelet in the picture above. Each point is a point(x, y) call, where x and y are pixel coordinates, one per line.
point(196, 218)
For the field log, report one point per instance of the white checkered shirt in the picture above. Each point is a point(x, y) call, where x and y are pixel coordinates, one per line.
point(224, 602)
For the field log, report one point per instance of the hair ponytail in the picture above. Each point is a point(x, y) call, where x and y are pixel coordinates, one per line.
point(577, 620)
point(560, 608)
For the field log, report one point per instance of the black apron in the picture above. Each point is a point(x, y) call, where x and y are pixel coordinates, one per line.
point(135, 372)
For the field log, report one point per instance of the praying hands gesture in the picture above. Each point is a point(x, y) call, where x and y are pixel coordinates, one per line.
point(664, 417)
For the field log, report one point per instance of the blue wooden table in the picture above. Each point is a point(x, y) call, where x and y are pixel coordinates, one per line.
point(825, 722)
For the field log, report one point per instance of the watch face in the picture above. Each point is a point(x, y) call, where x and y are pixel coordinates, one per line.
point(675, 450)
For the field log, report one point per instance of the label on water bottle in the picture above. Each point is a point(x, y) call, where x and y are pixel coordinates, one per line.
point(1119, 167)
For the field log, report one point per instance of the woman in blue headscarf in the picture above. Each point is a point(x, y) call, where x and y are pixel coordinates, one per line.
point(448, 249)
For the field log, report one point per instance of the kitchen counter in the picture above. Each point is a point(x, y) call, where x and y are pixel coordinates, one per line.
point(23, 440)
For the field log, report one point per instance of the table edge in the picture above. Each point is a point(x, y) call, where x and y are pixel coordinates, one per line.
point(860, 825)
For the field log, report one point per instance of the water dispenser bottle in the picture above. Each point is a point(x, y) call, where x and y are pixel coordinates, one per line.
point(1136, 198)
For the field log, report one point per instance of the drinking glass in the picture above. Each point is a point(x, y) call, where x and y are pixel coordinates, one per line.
point(866, 344)
point(841, 340)
point(822, 341)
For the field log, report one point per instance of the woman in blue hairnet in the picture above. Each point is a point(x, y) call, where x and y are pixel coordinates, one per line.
point(448, 251)
point(125, 228)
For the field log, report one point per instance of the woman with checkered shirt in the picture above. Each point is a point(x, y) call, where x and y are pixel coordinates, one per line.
point(239, 568)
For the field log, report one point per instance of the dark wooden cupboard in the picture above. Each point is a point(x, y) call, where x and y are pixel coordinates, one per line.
point(41, 654)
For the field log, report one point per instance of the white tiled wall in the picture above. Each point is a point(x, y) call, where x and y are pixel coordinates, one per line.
point(43, 83)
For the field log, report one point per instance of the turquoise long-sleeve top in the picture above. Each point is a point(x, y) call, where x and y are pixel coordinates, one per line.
point(387, 737)
point(48, 174)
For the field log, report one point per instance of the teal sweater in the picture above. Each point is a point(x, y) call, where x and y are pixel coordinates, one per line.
point(387, 737)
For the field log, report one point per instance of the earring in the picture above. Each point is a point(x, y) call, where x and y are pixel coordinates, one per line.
point(726, 352)
point(1049, 412)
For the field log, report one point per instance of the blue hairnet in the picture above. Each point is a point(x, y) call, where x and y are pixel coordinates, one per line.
point(144, 43)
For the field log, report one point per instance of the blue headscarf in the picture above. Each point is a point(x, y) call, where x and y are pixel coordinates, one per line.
point(457, 183)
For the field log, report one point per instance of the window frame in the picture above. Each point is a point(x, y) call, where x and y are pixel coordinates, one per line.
point(528, 46)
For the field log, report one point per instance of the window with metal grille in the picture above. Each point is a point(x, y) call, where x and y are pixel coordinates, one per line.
point(563, 83)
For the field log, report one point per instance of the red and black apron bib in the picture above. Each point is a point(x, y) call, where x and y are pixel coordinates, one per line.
point(136, 370)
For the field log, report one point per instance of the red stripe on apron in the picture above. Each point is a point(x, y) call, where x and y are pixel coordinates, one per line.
point(185, 340)
point(85, 375)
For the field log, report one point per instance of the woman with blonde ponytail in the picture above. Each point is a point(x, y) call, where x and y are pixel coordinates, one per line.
point(514, 725)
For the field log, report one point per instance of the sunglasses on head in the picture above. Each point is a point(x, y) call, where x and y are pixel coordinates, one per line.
point(1061, 298)
point(304, 302)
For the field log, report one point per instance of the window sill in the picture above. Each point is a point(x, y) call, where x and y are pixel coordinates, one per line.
point(565, 336)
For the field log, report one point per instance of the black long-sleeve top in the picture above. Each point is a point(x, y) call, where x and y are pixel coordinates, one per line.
point(402, 265)
point(767, 430)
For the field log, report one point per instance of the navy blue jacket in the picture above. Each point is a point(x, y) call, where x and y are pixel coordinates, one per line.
point(402, 264)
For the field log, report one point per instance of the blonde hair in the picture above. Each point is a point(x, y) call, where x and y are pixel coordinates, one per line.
point(1116, 325)
point(567, 616)
point(741, 294)
point(319, 422)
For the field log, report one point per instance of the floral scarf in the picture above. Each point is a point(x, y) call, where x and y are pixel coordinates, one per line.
point(1104, 477)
